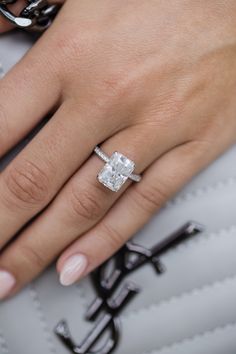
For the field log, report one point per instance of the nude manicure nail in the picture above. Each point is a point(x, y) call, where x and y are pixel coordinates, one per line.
point(73, 269)
point(7, 282)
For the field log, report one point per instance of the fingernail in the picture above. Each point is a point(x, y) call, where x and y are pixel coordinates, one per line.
point(7, 282)
point(73, 269)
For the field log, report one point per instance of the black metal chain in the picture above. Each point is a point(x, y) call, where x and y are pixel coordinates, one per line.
point(37, 15)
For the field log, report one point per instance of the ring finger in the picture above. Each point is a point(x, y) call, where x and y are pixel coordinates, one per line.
point(77, 208)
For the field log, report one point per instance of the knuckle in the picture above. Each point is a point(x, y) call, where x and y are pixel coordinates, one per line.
point(68, 44)
point(111, 237)
point(151, 197)
point(31, 257)
point(4, 129)
point(74, 50)
point(27, 183)
point(119, 86)
point(86, 204)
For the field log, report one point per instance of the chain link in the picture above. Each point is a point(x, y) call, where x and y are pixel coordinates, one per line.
point(37, 14)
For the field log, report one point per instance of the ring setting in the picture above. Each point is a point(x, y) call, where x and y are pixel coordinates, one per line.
point(117, 170)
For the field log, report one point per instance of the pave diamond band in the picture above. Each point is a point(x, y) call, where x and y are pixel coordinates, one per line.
point(118, 168)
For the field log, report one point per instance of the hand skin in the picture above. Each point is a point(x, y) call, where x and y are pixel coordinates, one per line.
point(155, 80)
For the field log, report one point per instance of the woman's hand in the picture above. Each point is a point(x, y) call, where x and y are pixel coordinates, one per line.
point(154, 80)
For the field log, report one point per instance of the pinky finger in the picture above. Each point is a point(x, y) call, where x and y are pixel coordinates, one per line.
point(133, 210)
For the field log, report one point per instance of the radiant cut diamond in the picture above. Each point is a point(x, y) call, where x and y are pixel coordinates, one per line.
point(116, 172)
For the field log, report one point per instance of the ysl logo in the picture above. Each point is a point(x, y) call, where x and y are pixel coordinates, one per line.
point(114, 293)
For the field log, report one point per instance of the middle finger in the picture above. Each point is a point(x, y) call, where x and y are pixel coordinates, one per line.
point(30, 182)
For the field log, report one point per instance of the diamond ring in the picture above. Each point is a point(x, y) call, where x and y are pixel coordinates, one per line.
point(117, 170)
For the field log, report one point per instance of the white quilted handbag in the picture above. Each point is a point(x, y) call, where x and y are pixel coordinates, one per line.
point(190, 309)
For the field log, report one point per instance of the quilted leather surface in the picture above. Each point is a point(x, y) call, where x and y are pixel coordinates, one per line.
point(189, 310)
